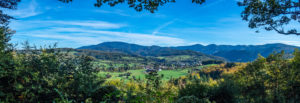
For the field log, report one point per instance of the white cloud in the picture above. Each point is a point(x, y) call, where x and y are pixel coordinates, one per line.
point(93, 24)
point(21, 25)
point(25, 10)
point(116, 12)
point(87, 32)
point(88, 37)
point(75, 39)
point(139, 38)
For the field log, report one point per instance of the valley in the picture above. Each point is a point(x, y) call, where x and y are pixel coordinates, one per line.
point(124, 61)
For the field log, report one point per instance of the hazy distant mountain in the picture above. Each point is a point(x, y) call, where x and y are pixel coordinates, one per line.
point(134, 49)
point(234, 53)
point(240, 53)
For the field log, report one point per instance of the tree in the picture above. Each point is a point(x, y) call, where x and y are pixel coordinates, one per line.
point(268, 14)
point(251, 81)
point(200, 90)
point(7, 4)
point(293, 91)
point(272, 15)
point(7, 64)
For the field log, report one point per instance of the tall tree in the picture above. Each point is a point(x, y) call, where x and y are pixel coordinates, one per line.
point(283, 16)
point(251, 81)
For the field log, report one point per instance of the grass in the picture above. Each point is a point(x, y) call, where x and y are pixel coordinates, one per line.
point(168, 74)
point(115, 75)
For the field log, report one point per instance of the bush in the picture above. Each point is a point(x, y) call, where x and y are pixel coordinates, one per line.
point(48, 75)
point(188, 99)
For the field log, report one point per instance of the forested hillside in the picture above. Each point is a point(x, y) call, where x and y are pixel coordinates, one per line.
point(119, 61)
point(240, 53)
point(134, 49)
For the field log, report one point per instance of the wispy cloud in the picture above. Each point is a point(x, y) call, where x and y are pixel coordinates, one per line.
point(163, 26)
point(212, 3)
point(81, 40)
point(96, 24)
point(134, 14)
point(116, 12)
point(82, 36)
point(140, 38)
point(93, 24)
point(25, 11)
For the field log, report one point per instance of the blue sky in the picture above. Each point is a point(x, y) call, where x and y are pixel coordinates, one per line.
point(44, 22)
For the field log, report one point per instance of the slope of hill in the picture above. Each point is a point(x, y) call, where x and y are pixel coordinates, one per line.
point(138, 50)
point(237, 53)
point(240, 53)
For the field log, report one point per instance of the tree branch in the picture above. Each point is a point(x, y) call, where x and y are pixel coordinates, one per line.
point(282, 32)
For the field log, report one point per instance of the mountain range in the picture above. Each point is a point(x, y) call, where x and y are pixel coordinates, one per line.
point(240, 53)
point(232, 53)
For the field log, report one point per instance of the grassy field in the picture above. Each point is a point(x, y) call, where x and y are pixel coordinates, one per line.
point(168, 74)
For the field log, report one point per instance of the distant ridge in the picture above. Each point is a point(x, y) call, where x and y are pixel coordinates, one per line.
point(134, 49)
point(233, 53)
point(240, 53)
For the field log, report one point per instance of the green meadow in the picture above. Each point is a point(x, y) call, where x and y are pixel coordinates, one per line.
point(140, 73)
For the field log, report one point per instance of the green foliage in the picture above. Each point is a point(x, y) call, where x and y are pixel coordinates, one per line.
point(189, 99)
point(271, 79)
point(199, 90)
point(7, 65)
point(153, 85)
point(206, 91)
point(272, 15)
point(48, 75)
point(7, 4)
point(266, 80)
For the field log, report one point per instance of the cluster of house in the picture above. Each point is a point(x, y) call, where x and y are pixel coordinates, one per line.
point(149, 68)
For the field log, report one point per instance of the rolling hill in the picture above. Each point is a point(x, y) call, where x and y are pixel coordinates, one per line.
point(232, 53)
point(138, 50)
point(240, 53)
